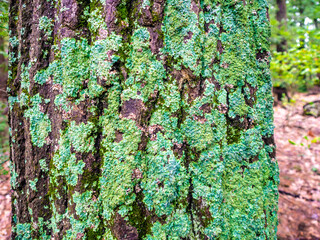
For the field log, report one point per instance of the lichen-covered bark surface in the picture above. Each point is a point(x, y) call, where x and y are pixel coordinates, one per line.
point(141, 119)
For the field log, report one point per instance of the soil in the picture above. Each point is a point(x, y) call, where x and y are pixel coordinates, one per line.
point(298, 154)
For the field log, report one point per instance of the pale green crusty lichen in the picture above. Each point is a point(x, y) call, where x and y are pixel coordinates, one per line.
point(81, 63)
point(96, 20)
point(183, 37)
point(65, 162)
point(13, 176)
point(82, 136)
point(23, 231)
point(88, 215)
point(14, 41)
point(46, 25)
point(119, 161)
point(43, 165)
point(146, 72)
point(33, 184)
point(25, 82)
point(40, 124)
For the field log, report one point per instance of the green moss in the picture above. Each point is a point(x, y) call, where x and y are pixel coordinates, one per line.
point(138, 219)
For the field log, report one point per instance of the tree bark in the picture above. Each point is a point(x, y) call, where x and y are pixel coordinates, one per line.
point(141, 119)
point(281, 16)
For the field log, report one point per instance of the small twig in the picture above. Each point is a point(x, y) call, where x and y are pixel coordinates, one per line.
point(297, 196)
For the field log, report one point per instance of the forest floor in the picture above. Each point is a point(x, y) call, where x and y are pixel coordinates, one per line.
point(298, 156)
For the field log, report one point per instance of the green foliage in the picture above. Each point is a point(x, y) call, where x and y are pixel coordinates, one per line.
point(298, 68)
point(4, 18)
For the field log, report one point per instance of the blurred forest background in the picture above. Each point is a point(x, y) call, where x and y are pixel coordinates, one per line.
point(295, 70)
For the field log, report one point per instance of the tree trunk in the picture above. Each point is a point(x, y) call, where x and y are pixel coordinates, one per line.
point(316, 23)
point(301, 8)
point(281, 16)
point(3, 71)
point(141, 119)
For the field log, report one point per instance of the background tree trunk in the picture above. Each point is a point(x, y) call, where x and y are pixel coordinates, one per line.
point(3, 71)
point(301, 9)
point(281, 16)
point(141, 119)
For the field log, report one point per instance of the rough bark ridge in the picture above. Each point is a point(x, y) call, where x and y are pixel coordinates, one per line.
point(141, 119)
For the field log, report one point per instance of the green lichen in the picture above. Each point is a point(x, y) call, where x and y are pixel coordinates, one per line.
point(88, 218)
point(43, 165)
point(14, 41)
point(23, 231)
point(25, 82)
point(95, 20)
point(181, 22)
point(14, 175)
point(11, 101)
point(146, 73)
point(40, 124)
point(145, 3)
point(33, 184)
point(65, 162)
point(46, 25)
point(238, 106)
point(79, 64)
point(81, 136)
point(119, 161)
point(41, 226)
